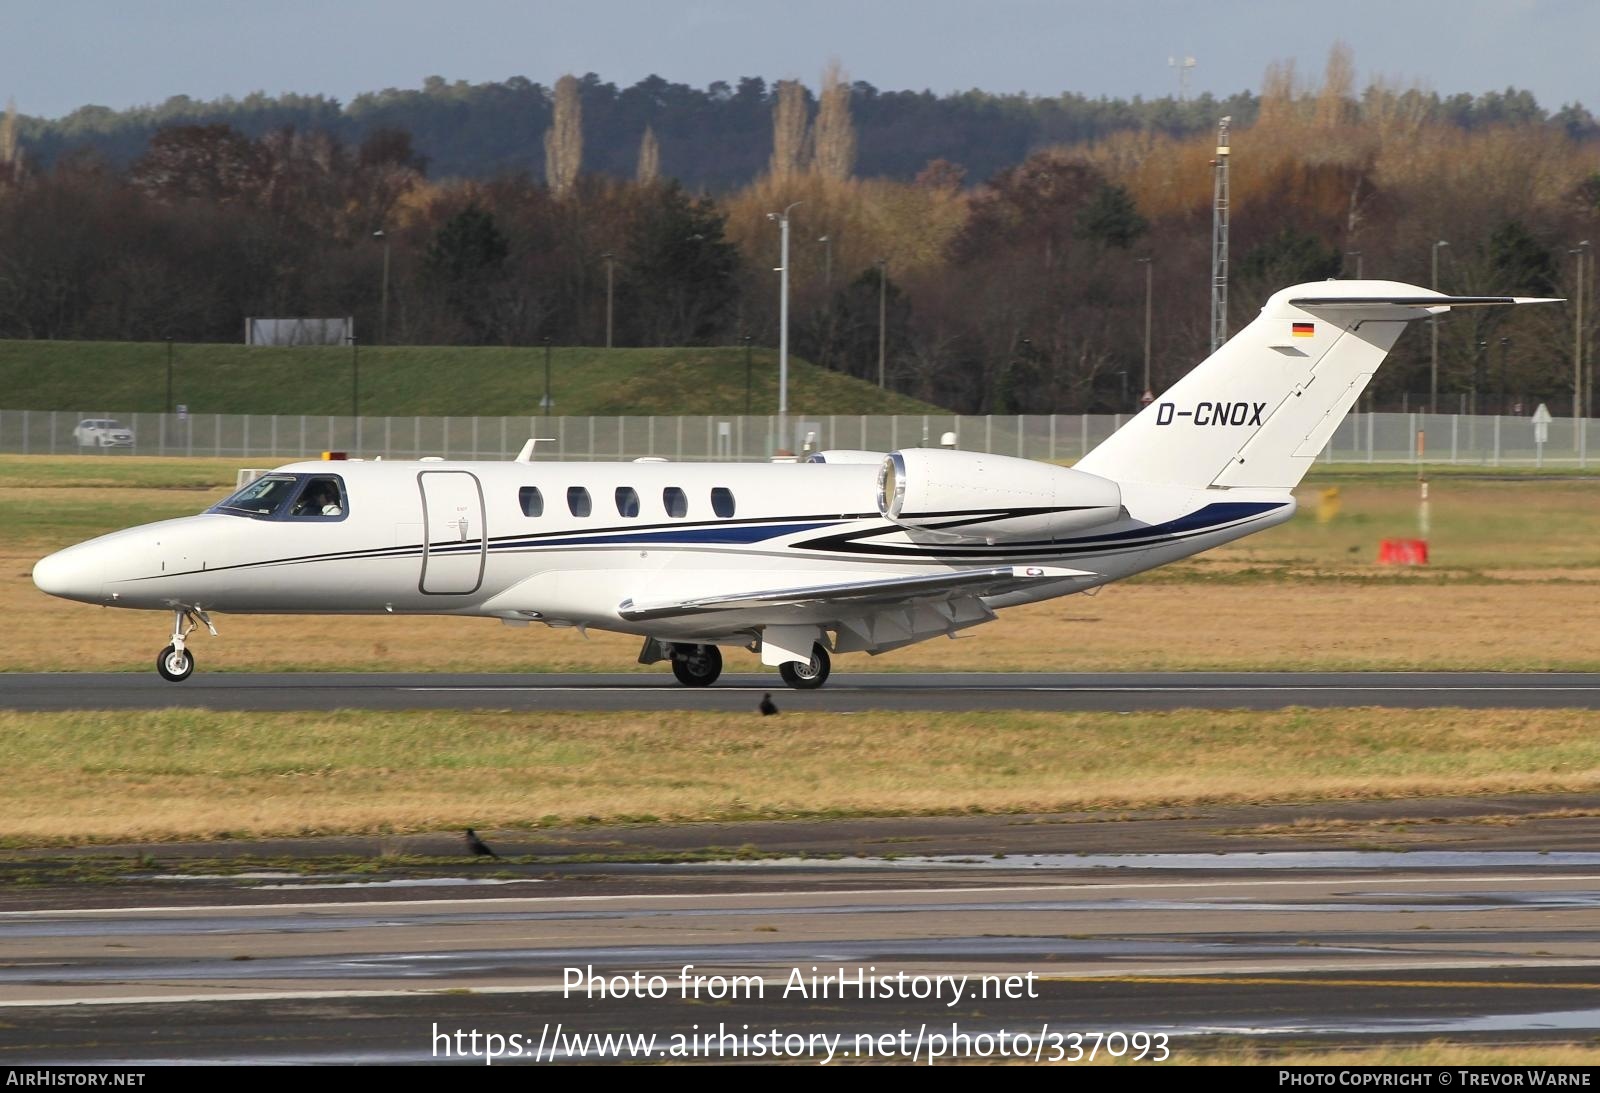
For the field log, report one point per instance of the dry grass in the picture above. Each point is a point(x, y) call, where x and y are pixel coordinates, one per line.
point(100, 776)
point(1511, 558)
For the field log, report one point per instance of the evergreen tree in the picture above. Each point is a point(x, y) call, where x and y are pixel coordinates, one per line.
point(466, 261)
point(680, 281)
point(1111, 219)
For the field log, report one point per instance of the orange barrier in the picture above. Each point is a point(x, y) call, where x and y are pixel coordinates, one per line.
point(1403, 552)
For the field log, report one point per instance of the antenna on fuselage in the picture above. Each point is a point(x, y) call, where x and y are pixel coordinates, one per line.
point(526, 455)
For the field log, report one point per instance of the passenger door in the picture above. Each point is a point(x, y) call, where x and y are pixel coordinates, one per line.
point(454, 536)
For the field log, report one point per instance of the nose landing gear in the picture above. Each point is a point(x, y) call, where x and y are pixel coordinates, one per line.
point(175, 663)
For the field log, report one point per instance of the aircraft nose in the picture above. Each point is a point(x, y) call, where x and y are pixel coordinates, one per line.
point(70, 574)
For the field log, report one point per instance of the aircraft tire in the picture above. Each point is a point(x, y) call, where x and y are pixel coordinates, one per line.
point(696, 665)
point(175, 667)
point(807, 677)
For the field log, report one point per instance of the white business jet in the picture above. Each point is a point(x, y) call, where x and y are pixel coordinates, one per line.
point(852, 552)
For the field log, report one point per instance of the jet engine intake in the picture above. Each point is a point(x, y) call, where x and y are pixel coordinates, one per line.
point(951, 496)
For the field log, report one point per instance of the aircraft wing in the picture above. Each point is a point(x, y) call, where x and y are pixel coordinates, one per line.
point(887, 590)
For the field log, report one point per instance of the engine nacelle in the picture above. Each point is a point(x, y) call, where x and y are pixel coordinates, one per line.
point(950, 496)
point(844, 455)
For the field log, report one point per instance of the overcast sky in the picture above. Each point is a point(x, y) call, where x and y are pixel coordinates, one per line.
point(57, 55)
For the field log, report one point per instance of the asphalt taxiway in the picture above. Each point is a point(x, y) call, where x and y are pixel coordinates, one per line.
point(1466, 919)
point(844, 692)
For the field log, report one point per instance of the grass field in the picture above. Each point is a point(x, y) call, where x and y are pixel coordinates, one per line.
point(125, 377)
point(103, 776)
point(1515, 574)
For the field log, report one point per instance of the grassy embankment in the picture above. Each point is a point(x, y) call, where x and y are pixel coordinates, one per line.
point(429, 380)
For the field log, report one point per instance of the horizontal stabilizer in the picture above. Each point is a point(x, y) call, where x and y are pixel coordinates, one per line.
point(968, 582)
point(1427, 303)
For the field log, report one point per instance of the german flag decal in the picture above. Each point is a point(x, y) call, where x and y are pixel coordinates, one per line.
point(1305, 330)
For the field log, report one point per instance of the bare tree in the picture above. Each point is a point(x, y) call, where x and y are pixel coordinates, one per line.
point(1278, 93)
point(1338, 87)
point(10, 154)
point(835, 134)
point(649, 158)
point(563, 142)
point(789, 118)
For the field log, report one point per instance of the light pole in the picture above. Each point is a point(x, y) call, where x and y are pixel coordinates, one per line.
point(883, 299)
point(1505, 350)
point(827, 262)
point(782, 220)
point(169, 373)
point(1149, 266)
point(1433, 322)
point(1479, 363)
point(547, 377)
point(611, 265)
point(355, 377)
point(747, 375)
point(1577, 338)
point(1357, 256)
point(383, 306)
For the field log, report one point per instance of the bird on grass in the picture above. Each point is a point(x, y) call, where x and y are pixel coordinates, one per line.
point(767, 708)
point(477, 847)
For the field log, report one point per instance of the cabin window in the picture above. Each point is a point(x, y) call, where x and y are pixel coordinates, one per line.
point(676, 502)
point(627, 501)
point(578, 501)
point(322, 497)
point(722, 501)
point(532, 501)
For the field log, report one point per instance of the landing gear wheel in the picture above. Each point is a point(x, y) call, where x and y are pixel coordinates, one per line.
point(174, 664)
point(807, 677)
point(696, 665)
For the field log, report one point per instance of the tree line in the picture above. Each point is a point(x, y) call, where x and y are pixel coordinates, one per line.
point(716, 138)
point(1020, 290)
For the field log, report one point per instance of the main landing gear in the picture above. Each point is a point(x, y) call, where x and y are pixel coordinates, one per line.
point(808, 676)
point(701, 665)
point(175, 663)
point(696, 665)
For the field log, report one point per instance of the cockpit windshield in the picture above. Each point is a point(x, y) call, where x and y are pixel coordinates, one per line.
point(287, 496)
point(267, 496)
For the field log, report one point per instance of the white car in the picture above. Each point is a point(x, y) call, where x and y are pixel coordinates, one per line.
point(102, 432)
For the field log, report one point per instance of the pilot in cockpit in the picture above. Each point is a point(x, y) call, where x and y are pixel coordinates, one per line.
point(321, 498)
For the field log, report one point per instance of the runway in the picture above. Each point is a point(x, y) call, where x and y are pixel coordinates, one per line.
point(844, 692)
point(1175, 932)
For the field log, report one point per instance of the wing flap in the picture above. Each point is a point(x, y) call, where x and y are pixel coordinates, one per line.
point(967, 582)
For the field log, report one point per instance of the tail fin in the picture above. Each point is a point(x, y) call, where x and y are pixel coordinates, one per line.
point(1258, 411)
